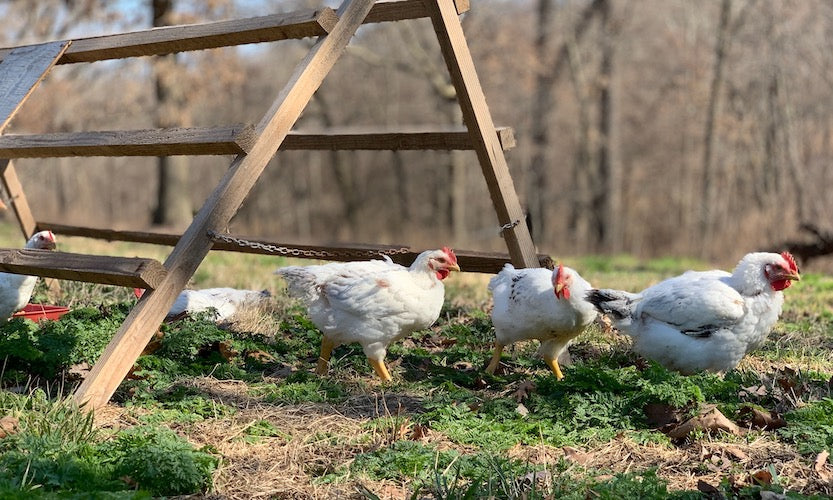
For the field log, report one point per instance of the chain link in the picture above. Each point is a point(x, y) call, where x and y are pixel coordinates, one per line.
point(308, 253)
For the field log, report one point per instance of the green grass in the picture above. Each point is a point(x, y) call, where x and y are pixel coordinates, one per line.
point(442, 429)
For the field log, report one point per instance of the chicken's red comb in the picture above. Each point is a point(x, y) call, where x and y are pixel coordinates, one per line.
point(790, 260)
point(450, 253)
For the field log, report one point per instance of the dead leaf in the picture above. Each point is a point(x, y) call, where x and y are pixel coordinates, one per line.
point(79, 370)
point(659, 415)
point(709, 490)
point(753, 391)
point(154, 343)
point(522, 410)
point(8, 426)
point(260, 356)
point(760, 419)
point(762, 477)
point(227, 351)
point(710, 419)
point(131, 374)
point(820, 466)
point(480, 383)
point(523, 391)
point(463, 366)
point(737, 453)
point(576, 455)
point(419, 432)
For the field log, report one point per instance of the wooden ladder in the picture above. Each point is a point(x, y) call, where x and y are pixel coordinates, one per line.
point(22, 68)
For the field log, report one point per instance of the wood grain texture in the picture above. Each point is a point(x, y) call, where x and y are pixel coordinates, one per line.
point(230, 140)
point(170, 39)
point(21, 71)
point(470, 260)
point(479, 122)
point(119, 271)
point(219, 208)
point(400, 10)
point(17, 198)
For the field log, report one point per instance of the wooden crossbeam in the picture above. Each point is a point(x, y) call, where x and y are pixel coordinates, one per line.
point(170, 39)
point(21, 71)
point(220, 207)
point(470, 260)
point(120, 271)
point(231, 140)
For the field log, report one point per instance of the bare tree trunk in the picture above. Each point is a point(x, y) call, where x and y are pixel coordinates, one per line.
point(607, 202)
point(173, 202)
point(710, 176)
point(578, 223)
point(542, 106)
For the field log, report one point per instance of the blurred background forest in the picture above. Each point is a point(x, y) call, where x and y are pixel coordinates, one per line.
point(651, 127)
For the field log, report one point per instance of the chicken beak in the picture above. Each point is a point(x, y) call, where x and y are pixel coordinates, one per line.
point(453, 267)
point(558, 289)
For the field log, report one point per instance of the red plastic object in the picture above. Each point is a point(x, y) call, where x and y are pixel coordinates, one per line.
point(39, 312)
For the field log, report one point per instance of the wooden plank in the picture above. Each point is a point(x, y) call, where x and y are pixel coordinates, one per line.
point(270, 28)
point(479, 122)
point(219, 208)
point(119, 271)
point(399, 10)
point(470, 260)
point(17, 198)
point(406, 139)
point(169, 39)
point(21, 71)
point(230, 140)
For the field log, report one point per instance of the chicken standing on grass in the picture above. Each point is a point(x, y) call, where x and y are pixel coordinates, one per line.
point(16, 289)
point(540, 304)
point(703, 321)
point(373, 303)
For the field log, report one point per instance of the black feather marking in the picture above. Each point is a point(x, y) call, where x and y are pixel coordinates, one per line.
point(609, 302)
point(702, 332)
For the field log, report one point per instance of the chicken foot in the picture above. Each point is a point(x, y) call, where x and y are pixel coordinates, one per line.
point(327, 346)
point(380, 368)
point(495, 359)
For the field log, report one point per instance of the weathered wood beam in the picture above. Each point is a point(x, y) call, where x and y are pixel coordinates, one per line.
point(119, 271)
point(270, 28)
point(170, 39)
point(220, 207)
point(470, 260)
point(17, 198)
point(231, 140)
point(21, 71)
point(476, 116)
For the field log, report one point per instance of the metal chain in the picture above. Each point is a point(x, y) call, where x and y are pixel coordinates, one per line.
point(308, 253)
point(509, 225)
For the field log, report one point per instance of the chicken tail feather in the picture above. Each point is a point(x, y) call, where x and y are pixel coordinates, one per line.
point(616, 303)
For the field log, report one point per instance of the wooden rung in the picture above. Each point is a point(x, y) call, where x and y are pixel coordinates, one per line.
point(234, 139)
point(274, 27)
point(471, 261)
point(170, 39)
point(228, 140)
point(120, 271)
point(411, 138)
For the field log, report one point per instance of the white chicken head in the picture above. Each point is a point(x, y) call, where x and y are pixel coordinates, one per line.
point(442, 262)
point(561, 281)
point(762, 269)
point(43, 240)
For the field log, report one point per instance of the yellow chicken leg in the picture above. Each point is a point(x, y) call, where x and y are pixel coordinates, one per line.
point(495, 358)
point(553, 364)
point(324, 359)
point(381, 369)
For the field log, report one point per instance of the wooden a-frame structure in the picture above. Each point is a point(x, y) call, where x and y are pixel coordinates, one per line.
point(23, 68)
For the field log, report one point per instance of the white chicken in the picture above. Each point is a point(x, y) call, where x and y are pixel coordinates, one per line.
point(703, 321)
point(222, 302)
point(540, 304)
point(16, 289)
point(373, 303)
